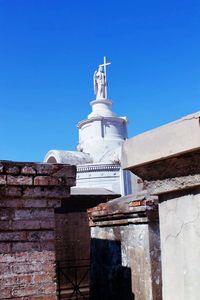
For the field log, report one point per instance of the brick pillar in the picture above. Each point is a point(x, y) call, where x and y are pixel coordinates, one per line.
point(28, 195)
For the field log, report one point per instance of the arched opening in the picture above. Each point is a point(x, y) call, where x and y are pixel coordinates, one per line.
point(52, 160)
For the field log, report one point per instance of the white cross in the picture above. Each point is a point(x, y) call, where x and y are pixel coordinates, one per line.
point(104, 66)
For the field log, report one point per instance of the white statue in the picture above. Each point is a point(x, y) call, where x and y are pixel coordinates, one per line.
point(100, 81)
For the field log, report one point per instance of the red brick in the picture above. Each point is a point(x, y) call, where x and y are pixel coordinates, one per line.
point(24, 291)
point(5, 225)
point(19, 180)
point(2, 179)
point(12, 170)
point(46, 297)
point(45, 277)
point(54, 203)
point(46, 180)
point(10, 191)
point(5, 214)
point(40, 235)
point(35, 203)
point(4, 268)
point(33, 213)
point(135, 203)
point(45, 169)
point(25, 268)
point(8, 280)
point(48, 288)
point(28, 170)
point(49, 268)
point(11, 203)
point(12, 236)
point(47, 192)
point(25, 279)
point(48, 245)
point(25, 246)
point(5, 293)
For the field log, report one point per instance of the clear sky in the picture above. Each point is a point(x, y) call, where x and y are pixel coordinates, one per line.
point(49, 50)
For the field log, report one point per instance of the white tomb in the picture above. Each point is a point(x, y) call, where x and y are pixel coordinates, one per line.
point(98, 155)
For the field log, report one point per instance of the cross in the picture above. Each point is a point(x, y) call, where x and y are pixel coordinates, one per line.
point(104, 66)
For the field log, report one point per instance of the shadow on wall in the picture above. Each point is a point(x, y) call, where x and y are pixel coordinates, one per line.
point(109, 279)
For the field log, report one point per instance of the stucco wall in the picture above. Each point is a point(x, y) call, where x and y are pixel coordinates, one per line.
point(180, 246)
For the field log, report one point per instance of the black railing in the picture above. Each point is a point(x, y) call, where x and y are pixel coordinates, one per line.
point(73, 279)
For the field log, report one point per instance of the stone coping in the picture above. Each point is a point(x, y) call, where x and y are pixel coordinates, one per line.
point(168, 141)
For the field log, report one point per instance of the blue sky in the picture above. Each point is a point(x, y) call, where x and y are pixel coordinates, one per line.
point(50, 49)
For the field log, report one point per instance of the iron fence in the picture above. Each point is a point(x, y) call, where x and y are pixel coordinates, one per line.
point(73, 279)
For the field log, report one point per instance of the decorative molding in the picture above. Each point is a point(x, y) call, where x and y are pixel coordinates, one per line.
point(98, 168)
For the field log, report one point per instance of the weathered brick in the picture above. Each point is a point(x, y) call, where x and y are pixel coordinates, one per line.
point(44, 257)
point(43, 169)
point(5, 225)
point(44, 297)
point(13, 236)
point(33, 213)
point(5, 214)
point(46, 180)
point(47, 192)
point(25, 279)
point(24, 291)
point(48, 245)
point(5, 247)
point(7, 281)
point(5, 293)
point(40, 235)
point(12, 203)
point(25, 268)
point(12, 169)
point(25, 224)
point(19, 180)
point(54, 203)
point(48, 288)
point(2, 179)
point(4, 269)
point(25, 246)
point(10, 191)
point(45, 277)
point(28, 170)
point(35, 203)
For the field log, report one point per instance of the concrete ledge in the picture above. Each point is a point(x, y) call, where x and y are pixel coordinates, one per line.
point(173, 139)
point(175, 184)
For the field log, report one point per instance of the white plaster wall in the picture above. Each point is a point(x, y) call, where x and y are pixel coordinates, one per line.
point(180, 247)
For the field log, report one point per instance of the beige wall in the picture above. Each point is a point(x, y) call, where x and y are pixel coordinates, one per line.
point(180, 247)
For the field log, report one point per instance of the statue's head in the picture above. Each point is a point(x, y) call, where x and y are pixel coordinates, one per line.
point(101, 69)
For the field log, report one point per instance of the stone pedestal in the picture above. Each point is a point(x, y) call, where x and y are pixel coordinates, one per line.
point(125, 249)
point(28, 195)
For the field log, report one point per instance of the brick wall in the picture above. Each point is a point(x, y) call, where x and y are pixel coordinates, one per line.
point(28, 195)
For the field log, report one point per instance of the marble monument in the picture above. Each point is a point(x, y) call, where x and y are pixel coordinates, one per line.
point(101, 135)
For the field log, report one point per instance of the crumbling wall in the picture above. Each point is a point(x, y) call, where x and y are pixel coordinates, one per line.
point(28, 195)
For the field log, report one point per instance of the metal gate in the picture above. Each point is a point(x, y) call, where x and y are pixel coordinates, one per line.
point(73, 279)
